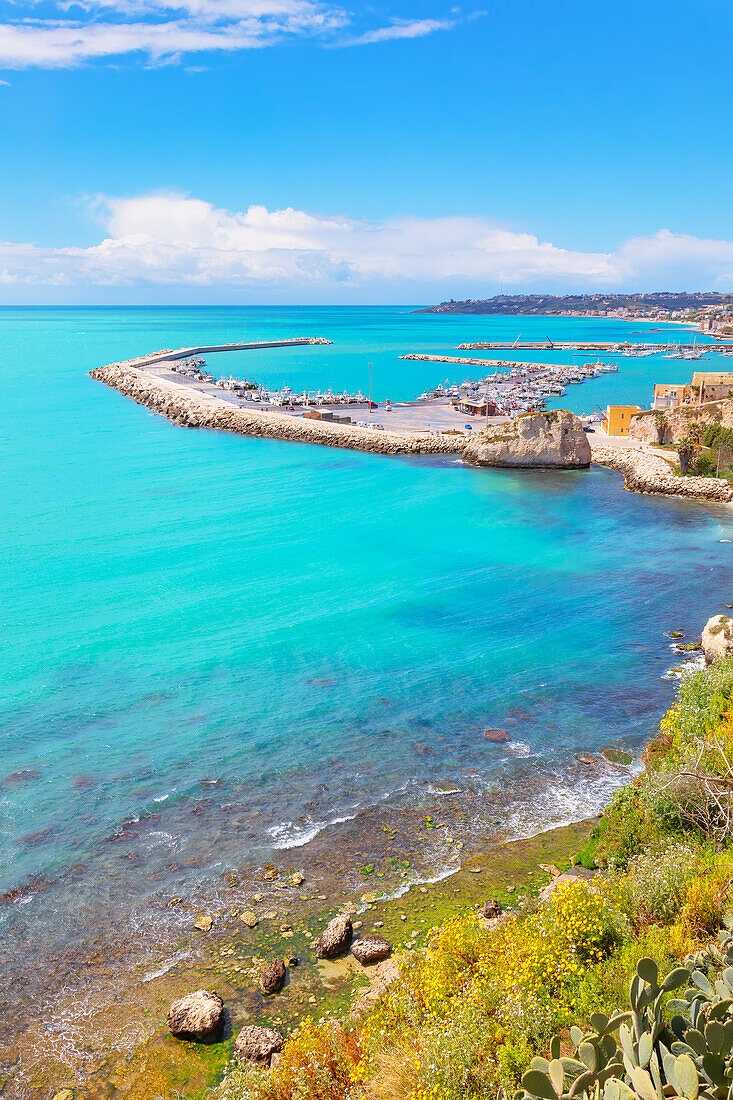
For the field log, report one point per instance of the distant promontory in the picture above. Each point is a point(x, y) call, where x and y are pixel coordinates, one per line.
point(660, 305)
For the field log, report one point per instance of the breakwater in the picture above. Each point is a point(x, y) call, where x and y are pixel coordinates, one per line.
point(194, 409)
point(648, 473)
point(643, 472)
point(509, 364)
point(172, 354)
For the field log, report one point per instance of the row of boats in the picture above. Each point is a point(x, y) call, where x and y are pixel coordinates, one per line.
point(522, 389)
point(285, 397)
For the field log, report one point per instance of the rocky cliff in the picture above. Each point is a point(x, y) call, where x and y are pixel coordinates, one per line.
point(548, 441)
point(674, 424)
point(717, 638)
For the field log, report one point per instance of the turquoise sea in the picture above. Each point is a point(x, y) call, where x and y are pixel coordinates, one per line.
point(214, 647)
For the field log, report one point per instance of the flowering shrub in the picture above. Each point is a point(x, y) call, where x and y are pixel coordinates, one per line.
point(654, 887)
point(574, 930)
point(319, 1061)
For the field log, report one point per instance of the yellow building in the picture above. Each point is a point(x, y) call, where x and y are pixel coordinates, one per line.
point(618, 418)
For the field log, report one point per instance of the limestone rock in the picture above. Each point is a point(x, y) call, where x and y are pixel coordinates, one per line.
point(548, 440)
point(258, 1044)
point(717, 638)
point(198, 1016)
point(272, 976)
point(572, 875)
point(370, 949)
point(335, 938)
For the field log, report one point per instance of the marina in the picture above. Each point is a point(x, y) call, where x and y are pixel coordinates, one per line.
point(512, 388)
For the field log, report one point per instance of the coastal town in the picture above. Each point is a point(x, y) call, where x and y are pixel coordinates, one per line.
point(712, 313)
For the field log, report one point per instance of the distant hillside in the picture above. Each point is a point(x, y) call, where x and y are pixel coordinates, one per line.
point(578, 304)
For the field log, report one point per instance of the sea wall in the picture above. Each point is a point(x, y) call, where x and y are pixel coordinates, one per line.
point(193, 409)
point(647, 473)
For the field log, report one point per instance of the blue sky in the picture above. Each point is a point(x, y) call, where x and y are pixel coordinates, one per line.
point(290, 150)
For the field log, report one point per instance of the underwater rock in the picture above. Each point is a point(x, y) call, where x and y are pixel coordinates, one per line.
point(497, 736)
point(203, 922)
point(272, 976)
point(196, 1016)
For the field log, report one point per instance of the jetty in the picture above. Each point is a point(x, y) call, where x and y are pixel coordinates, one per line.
point(614, 347)
point(172, 354)
point(194, 408)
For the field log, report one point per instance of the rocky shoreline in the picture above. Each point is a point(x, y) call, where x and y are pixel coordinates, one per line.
point(648, 473)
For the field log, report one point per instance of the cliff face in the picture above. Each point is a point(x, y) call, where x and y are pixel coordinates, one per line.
point(717, 638)
point(674, 424)
point(549, 441)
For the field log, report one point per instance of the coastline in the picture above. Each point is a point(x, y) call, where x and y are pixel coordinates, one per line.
point(188, 407)
point(401, 872)
point(108, 1037)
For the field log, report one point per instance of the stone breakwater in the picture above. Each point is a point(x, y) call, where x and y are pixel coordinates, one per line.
point(647, 473)
point(193, 409)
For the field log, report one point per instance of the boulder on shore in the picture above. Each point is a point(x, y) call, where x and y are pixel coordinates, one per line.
point(258, 1044)
point(717, 638)
point(491, 909)
point(549, 440)
point(197, 1016)
point(370, 949)
point(335, 938)
point(272, 976)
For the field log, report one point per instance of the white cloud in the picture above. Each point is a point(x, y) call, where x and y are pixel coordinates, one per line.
point(168, 240)
point(418, 28)
point(166, 30)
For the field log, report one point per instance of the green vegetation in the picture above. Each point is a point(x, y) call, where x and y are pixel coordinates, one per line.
point(562, 997)
point(636, 304)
